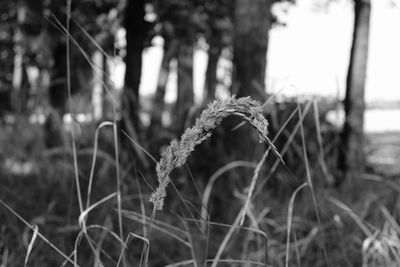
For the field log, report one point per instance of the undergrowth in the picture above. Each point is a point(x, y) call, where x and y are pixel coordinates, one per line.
point(42, 226)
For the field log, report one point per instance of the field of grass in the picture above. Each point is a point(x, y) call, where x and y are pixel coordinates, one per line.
point(194, 204)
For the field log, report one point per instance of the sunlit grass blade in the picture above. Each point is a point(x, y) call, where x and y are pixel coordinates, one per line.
point(84, 214)
point(31, 243)
point(95, 150)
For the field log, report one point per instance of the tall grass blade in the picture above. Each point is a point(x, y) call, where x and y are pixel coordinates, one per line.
point(310, 183)
point(207, 191)
point(31, 243)
point(352, 215)
point(321, 156)
point(38, 233)
point(286, 146)
point(95, 150)
point(73, 132)
point(289, 222)
point(84, 214)
point(125, 245)
point(253, 185)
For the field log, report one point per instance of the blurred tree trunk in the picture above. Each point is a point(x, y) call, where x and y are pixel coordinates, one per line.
point(214, 51)
point(352, 158)
point(98, 80)
point(136, 30)
point(7, 44)
point(58, 81)
point(135, 35)
point(18, 75)
point(57, 93)
point(170, 50)
point(185, 98)
point(252, 24)
point(19, 95)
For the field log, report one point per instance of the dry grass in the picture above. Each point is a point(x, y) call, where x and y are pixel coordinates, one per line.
point(293, 237)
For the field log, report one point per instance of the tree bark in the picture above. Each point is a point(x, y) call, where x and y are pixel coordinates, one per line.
point(170, 50)
point(252, 23)
point(57, 95)
point(185, 97)
point(351, 157)
point(135, 34)
point(58, 81)
point(211, 81)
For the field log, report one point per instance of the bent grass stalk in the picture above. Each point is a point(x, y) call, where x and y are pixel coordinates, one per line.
point(289, 222)
point(95, 149)
point(176, 154)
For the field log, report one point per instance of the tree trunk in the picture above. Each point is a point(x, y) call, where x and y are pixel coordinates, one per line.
point(135, 35)
point(19, 96)
point(351, 158)
point(58, 81)
point(252, 23)
point(57, 94)
point(18, 75)
point(170, 50)
point(185, 97)
point(97, 93)
point(211, 82)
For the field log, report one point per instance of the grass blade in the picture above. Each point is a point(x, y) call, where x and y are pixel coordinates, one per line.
point(30, 247)
point(289, 222)
point(38, 233)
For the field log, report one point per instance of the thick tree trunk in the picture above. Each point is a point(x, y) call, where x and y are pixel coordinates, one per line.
point(252, 23)
point(58, 81)
point(57, 95)
point(185, 97)
point(170, 50)
point(211, 81)
point(351, 158)
point(135, 35)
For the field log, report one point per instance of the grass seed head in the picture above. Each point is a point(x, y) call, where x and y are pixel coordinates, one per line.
point(176, 154)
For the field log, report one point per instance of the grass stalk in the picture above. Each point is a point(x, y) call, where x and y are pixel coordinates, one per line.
point(38, 233)
point(310, 184)
point(73, 132)
point(289, 222)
